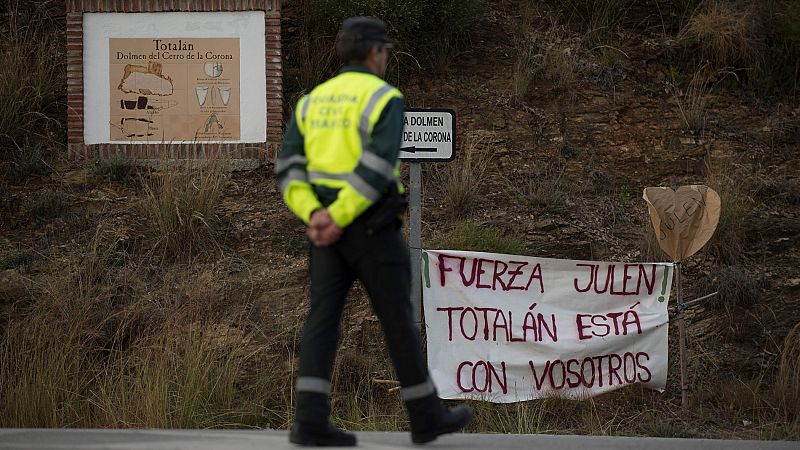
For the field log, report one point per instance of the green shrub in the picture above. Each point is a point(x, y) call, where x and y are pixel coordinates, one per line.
point(114, 168)
point(479, 238)
point(17, 260)
point(46, 207)
point(428, 29)
point(740, 292)
point(782, 190)
point(27, 161)
point(599, 18)
point(737, 289)
point(782, 43)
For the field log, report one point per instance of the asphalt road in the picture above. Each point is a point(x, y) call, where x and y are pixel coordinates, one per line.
point(47, 439)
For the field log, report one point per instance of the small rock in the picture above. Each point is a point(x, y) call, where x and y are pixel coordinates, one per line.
point(74, 178)
point(569, 231)
point(545, 225)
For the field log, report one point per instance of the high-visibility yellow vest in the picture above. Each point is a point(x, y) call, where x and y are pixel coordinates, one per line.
point(336, 120)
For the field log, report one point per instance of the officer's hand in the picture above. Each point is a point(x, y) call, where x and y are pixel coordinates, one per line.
point(322, 230)
point(320, 219)
point(328, 235)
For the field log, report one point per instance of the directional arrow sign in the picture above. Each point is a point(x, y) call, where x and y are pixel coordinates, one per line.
point(415, 149)
point(428, 135)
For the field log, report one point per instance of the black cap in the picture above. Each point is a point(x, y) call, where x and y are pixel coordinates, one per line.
point(367, 29)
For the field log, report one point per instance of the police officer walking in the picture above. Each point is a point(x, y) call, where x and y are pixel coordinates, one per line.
point(338, 172)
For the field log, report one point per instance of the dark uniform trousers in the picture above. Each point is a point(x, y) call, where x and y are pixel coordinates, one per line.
point(380, 260)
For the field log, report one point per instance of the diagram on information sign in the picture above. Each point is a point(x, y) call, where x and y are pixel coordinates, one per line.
point(213, 69)
point(213, 124)
point(208, 95)
point(145, 80)
point(131, 127)
point(147, 104)
point(174, 95)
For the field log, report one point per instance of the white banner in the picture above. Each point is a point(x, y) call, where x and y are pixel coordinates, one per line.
point(505, 328)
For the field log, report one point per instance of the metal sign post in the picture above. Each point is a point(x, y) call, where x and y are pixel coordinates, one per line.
point(429, 135)
point(415, 238)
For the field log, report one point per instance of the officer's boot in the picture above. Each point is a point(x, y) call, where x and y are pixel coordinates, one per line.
point(311, 426)
point(429, 419)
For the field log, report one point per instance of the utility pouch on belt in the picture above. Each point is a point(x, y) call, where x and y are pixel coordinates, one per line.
point(387, 211)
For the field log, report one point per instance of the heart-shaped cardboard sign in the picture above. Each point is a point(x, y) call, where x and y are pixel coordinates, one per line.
point(684, 220)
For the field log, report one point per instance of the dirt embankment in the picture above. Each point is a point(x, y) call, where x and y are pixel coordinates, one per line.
point(563, 169)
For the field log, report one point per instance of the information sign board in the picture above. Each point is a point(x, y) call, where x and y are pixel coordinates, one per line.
point(428, 135)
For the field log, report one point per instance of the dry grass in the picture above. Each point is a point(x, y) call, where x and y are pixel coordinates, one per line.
point(693, 100)
point(727, 245)
point(183, 204)
point(649, 250)
point(544, 189)
point(461, 179)
point(47, 350)
point(725, 34)
point(598, 416)
point(38, 382)
point(788, 383)
point(31, 65)
point(527, 66)
point(740, 293)
point(179, 376)
point(314, 60)
point(562, 65)
point(546, 52)
point(359, 402)
point(96, 347)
